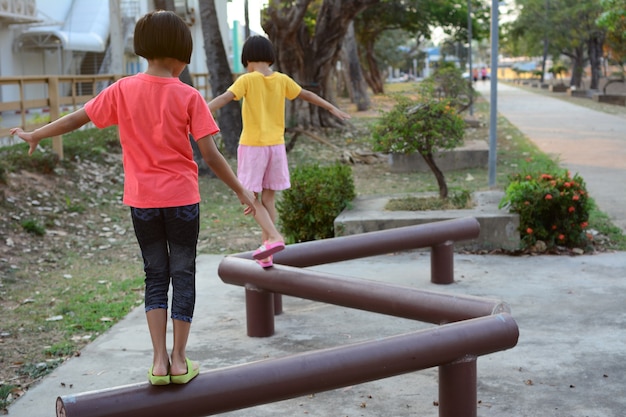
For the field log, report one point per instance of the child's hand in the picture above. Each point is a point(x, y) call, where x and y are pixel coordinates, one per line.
point(26, 137)
point(340, 114)
point(248, 198)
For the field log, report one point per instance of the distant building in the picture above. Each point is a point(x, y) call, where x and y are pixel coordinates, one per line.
point(46, 37)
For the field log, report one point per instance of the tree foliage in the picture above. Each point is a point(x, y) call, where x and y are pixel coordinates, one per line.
point(613, 20)
point(308, 37)
point(415, 18)
point(561, 27)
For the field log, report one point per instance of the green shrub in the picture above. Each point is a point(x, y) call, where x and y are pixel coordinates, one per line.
point(423, 126)
point(553, 208)
point(308, 209)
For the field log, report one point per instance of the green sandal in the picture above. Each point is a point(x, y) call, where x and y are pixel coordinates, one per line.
point(193, 369)
point(158, 379)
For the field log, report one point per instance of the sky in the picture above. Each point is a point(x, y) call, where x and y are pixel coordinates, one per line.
point(235, 11)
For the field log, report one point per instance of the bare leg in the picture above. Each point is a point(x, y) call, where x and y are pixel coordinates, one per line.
point(268, 199)
point(264, 218)
point(181, 334)
point(157, 324)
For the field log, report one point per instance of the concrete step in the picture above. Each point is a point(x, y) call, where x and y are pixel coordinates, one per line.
point(498, 227)
point(472, 154)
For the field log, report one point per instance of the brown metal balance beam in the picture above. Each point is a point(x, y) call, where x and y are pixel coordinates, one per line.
point(272, 380)
point(439, 236)
point(379, 297)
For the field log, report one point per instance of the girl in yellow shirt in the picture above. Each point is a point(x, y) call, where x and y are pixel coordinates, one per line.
point(261, 156)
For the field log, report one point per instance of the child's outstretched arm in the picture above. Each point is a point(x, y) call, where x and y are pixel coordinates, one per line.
point(60, 126)
point(218, 164)
point(318, 101)
point(221, 100)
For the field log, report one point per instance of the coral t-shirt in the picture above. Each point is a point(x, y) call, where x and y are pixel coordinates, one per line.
point(155, 116)
point(263, 108)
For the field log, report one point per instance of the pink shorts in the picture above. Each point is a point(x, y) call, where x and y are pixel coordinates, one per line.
point(263, 167)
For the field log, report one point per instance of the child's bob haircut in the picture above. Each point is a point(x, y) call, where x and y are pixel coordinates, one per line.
point(257, 49)
point(162, 34)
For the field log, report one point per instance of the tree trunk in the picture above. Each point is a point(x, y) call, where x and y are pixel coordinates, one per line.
point(309, 58)
point(358, 88)
point(203, 168)
point(441, 179)
point(578, 64)
point(544, 58)
point(229, 116)
point(594, 51)
point(372, 74)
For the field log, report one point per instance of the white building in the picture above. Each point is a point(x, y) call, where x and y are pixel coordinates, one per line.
point(48, 37)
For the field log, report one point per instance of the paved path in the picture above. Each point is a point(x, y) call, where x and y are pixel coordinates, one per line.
point(585, 141)
point(569, 361)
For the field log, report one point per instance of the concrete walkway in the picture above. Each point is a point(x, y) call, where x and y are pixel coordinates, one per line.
point(587, 142)
point(570, 360)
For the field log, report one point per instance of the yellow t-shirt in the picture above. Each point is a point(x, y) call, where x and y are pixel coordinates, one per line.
point(263, 109)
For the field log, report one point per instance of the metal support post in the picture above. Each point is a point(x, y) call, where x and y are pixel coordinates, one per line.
point(259, 312)
point(442, 263)
point(457, 388)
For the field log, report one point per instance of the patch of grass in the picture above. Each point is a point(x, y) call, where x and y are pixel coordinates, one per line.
point(40, 369)
point(61, 349)
point(458, 200)
point(5, 391)
point(98, 304)
point(599, 221)
point(34, 227)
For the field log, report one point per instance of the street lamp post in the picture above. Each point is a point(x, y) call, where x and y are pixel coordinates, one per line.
point(469, 59)
point(493, 108)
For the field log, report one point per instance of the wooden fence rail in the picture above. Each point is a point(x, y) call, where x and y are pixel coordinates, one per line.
point(56, 94)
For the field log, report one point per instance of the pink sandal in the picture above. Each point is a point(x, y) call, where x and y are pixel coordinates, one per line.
point(268, 249)
point(266, 263)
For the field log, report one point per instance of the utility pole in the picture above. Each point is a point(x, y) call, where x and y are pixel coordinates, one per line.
point(470, 76)
point(493, 101)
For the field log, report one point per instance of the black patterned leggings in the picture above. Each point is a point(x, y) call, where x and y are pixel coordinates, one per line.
point(168, 238)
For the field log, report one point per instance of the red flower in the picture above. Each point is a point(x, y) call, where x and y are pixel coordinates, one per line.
point(567, 184)
point(576, 197)
point(546, 176)
point(561, 237)
point(529, 231)
point(571, 209)
point(548, 197)
point(528, 177)
point(584, 224)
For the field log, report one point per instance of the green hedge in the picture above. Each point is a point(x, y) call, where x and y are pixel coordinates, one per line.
point(317, 196)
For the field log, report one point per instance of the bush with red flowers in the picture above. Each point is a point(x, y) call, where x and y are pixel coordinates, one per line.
point(553, 208)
